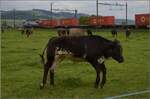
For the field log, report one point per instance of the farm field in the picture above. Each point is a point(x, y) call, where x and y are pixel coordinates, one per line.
point(22, 71)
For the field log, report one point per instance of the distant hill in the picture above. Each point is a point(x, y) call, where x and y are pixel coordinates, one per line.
point(36, 14)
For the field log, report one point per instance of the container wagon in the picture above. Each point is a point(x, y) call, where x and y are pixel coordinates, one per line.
point(142, 20)
point(47, 23)
point(68, 22)
point(102, 21)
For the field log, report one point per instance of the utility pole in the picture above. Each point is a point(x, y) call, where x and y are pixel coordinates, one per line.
point(126, 14)
point(75, 13)
point(32, 14)
point(14, 18)
point(51, 8)
point(96, 12)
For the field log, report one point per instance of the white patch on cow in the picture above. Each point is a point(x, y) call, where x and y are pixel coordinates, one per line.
point(54, 65)
point(85, 50)
point(101, 59)
point(84, 55)
point(41, 84)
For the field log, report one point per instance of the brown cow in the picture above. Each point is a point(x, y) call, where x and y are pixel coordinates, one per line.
point(91, 49)
point(73, 32)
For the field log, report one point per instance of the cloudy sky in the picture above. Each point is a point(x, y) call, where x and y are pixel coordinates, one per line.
point(83, 6)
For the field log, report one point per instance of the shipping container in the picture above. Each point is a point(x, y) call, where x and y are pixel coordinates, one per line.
point(47, 23)
point(142, 20)
point(69, 22)
point(102, 21)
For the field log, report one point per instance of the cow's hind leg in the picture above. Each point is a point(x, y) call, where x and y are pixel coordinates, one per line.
point(104, 75)
point(46, 69)
point(97, 78)
point(52, 70)
point(57, 60)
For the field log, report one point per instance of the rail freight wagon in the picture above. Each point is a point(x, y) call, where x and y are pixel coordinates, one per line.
point(68, 22)
point(102, 21)
point(47, 23)
point(142, 20)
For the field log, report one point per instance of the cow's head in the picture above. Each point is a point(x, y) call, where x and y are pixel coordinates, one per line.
point(115, 51)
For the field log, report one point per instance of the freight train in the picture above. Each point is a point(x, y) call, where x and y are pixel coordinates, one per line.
point(141, 20)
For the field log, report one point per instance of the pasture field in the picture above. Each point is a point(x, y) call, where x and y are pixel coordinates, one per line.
point(22, 71)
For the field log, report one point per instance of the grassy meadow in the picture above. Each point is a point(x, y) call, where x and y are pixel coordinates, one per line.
point(22, 71)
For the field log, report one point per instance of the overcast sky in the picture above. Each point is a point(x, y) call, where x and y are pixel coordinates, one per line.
point(83, 6)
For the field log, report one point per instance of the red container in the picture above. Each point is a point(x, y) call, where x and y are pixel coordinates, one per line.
point(142, 20)
point(48, 23)
point(102, 20)
point(69, 22)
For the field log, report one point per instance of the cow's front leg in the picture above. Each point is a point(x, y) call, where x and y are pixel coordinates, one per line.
point(104, 75)
point(58, 59)
point(52, 71)
point(97, 78)
point(97, 68)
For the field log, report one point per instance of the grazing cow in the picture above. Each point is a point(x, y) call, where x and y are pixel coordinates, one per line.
point(73, 32)
point(114, 33)
point(127, 32)
point(91, 49)
point(62, 32)
point(29, 32)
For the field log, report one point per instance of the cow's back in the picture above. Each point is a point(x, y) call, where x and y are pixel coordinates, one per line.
point(77, 32)
point(91, 45)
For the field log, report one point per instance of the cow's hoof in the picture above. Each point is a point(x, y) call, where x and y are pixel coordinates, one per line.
point(96, 86)
point(41, 86)
point(101, 85)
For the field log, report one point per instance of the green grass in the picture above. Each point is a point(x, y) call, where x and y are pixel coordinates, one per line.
point(22, 71)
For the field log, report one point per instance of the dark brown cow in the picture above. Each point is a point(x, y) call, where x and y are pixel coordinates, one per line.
point(73, 32)
point(91, 49)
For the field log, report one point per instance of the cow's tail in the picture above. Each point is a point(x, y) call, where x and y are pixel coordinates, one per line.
point(42, 55)
point(51, 50)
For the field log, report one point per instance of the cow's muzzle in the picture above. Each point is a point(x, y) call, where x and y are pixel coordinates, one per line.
point(121, 60)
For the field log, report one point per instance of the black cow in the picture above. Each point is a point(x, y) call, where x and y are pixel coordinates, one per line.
point(27, 30)
point(127, 32)
point(90, 48)
point(114, 32)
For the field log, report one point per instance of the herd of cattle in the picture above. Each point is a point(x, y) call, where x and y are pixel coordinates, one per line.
point(75, 32)
point(80, 45)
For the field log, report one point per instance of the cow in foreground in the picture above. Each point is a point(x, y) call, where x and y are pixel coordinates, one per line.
point(89, 48)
